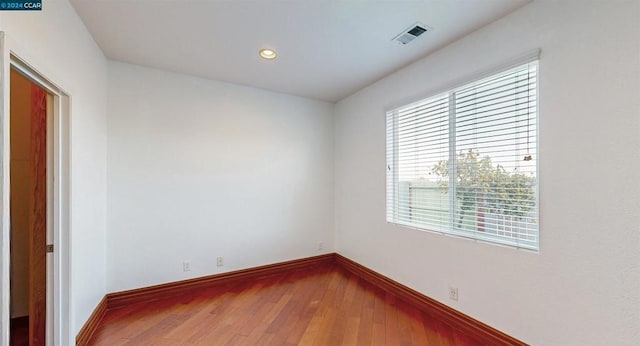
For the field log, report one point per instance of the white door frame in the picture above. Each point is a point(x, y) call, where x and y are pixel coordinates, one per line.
point(58, 200)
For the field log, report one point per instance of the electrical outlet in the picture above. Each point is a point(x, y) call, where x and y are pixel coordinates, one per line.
point(186, 266)
point(453, 293)
point(320, 246)
point(220, 261)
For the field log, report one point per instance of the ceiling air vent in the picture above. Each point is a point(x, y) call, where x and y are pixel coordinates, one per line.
point(411, 33)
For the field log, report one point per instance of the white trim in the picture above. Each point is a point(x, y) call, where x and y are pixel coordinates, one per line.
point(51, 100)
point(4, 192)
point(58, 204)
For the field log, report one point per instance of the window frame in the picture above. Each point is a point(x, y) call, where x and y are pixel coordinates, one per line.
point(450, 91)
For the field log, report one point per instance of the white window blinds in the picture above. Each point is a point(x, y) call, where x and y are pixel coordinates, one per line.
point(464, 162)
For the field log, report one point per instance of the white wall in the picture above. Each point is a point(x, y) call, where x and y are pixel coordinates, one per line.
point(57, 44)
point(583, 287)
point(199, 169)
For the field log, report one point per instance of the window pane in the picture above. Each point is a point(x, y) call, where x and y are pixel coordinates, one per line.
point(495, 135)
point(422, 132)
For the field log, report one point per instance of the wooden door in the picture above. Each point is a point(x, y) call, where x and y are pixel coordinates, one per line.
point(38, 223)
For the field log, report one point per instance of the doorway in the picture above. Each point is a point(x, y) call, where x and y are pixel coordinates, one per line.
point(59, 327)
point(30, 112)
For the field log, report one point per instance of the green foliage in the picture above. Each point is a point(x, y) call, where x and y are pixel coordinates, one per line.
point(479, 185)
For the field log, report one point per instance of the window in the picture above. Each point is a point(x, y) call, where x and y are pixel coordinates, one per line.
point(464, 162)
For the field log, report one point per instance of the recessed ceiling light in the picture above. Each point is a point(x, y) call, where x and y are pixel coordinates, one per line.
point(268, 54)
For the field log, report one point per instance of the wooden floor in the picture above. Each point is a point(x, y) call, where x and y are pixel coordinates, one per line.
point(319, 306)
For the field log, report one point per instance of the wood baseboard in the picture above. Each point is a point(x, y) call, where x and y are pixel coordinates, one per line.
point(471, 327)
point(124, 298)
point(92, 323)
